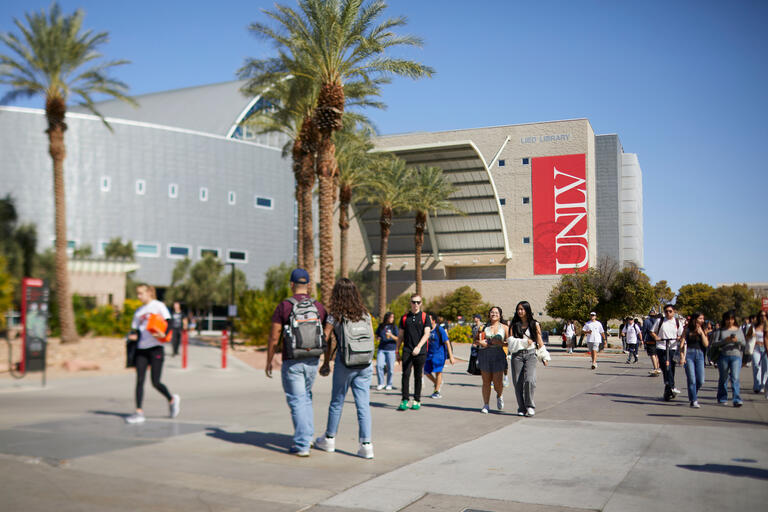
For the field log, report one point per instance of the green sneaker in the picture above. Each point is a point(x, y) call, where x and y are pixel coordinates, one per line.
point(403, 405)
point(416, 405)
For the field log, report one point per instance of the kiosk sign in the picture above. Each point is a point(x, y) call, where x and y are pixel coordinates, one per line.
point(34, 319)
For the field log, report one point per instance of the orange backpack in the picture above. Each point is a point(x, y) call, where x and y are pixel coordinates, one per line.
point(156, 325)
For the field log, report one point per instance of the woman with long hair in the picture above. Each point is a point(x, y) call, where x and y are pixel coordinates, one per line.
point(728, 343)
point(524, 361)
point(346, 305)
point(385, 359)
point(693, 347)
point(758, 330)
point(491, 358)
point(149, 352)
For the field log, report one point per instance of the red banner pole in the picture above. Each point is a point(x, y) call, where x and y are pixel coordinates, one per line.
point(224, 349)
point(184, 348)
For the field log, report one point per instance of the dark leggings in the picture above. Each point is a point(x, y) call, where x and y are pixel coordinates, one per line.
point(152, 357)
point(417, 364)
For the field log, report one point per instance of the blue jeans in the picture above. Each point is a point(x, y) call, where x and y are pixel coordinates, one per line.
point(694, 372)
point(759, 368)
point(298, 375)
point(385, 358)
point(360, 382)
point(729, 368)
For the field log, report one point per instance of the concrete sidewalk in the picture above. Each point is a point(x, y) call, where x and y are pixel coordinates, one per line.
point(601, 440)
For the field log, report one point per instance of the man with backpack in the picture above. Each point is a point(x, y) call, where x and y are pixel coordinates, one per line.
point(632, 334)
point(668, 332)
point(299, 319)
point(650, 342)
point(414, 333)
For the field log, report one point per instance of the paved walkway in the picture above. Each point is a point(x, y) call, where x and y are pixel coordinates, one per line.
point(601, 440)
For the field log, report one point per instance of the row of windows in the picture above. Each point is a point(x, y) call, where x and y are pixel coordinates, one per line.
point(175, 251)
point(503, 201)
point(173, 193)
point(525, 161)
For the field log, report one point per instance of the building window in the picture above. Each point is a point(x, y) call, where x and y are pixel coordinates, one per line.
point(208, 251)
point(173, 191)
point(526, 200)
point(263, 202)
point(179, 251)
point(502, 163)
point(105, 183)
point(147, 249)
point(237, 256)
point(502, 201)
point(203, 194)
point(231, 197)
point(526, 161)
point(141, 187)
point(526, 240)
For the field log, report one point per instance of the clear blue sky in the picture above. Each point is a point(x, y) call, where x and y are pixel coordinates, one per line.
point(682, 83)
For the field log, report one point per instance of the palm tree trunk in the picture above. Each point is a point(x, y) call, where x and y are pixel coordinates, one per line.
point(55, 110)
point(385, 221)
point(307, 228)
point(421, 222)
point(345, 198)
point(325, 171)
point(297, 155)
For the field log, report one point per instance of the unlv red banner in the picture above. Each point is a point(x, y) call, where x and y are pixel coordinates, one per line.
point(560, 214)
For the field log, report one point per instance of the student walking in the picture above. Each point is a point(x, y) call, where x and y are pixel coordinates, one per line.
point(346, 308)
point(491, 358)
point(631, 334)
point(385, 359)
point(570, 336)
point(414, 333)
point(758, 331)
point(650, 343)
point(150, 352)
point(524, 326)
point(695, 343)
point(178, 324)
point(595, 335)
point(438, 350)
point(298, 368)
point(668, 332)
point(728, 344)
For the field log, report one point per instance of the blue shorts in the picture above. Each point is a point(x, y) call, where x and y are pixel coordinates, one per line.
point(434, 366)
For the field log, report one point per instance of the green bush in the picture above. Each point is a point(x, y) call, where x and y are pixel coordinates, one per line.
point(102, 321)
point(460, 334)
point(552, 326)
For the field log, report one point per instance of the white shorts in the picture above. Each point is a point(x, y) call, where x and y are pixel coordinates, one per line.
point(593, 347)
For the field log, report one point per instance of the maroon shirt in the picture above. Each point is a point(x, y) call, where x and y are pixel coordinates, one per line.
point(283, 310)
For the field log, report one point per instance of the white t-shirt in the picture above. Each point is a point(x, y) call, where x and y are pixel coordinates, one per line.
point(669, 331)
point(630, 331)
point(597, 329)
point(569, 330)
point(140, 317)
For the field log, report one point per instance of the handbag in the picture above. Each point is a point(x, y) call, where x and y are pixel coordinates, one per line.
point(473, 368)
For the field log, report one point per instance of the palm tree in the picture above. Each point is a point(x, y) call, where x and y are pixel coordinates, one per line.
point(431, 193)
point(354, 161)
point(335, 43)
point(390, 188)
point(54, 58)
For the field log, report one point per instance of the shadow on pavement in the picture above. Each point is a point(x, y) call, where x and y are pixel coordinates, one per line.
point(268, 440)
point(715, 419)
point(726, 469)
point(122, 415)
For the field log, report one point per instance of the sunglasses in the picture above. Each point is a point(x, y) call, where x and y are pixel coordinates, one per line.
point(415, 302)
point(669, 310)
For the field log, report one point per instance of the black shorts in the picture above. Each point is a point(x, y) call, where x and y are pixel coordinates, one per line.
point(650, 349)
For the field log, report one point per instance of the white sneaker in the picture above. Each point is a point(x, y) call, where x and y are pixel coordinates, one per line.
point(365, 451)
point(484, 410)
point(137, 417)
point(379, 387)
point(388, 388)
point(326, 444)
point(695, 404)
point(506, 381)
point(500, 403)
point(675, 391)
point(175, 406)
point(530, 412)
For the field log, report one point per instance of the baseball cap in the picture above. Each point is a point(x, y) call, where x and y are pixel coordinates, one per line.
point(300, 276)
point(592, 313)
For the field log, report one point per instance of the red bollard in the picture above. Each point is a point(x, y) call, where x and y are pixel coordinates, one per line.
point(224, 340)
point(184, 348)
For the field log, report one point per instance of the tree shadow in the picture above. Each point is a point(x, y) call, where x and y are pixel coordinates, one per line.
point(122, 415)
point(267, 440)
point(728, 469)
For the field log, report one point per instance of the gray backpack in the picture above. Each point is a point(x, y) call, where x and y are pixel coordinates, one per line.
point(303, 335)
point(357, 342)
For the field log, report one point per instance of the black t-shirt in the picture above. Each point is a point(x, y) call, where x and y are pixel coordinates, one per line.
point(413, 328)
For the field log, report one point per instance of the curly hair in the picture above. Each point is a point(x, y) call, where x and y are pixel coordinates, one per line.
point(346, 301)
